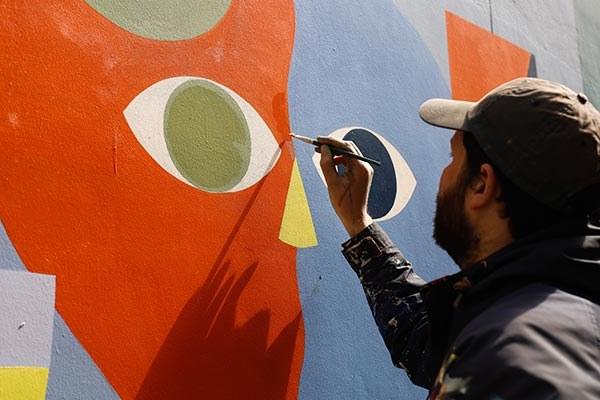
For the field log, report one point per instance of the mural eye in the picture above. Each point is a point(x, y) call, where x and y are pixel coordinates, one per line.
point(203, 133)
point(393, 181)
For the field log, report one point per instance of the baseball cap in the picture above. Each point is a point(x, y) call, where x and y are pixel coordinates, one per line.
point(543, 136)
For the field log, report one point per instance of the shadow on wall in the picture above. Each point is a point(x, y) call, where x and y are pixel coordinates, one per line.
point(239, 357)
point(206, 355)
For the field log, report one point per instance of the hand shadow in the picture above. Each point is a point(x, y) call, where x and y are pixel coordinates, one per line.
point(206, 356)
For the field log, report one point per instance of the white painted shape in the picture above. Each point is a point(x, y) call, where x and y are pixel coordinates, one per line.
point(145, 116)
point(405, 179)
point(26, 300)
point(474, 11)
point(264, 150)
point(548, 30)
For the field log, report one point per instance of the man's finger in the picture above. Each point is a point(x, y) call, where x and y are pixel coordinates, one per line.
point(340, 144)
point(355, 147)
point(328, 165)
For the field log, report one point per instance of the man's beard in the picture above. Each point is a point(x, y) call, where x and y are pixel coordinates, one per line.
point(452, 230)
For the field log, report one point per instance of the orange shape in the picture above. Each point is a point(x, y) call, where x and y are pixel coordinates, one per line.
point(479, 60)
point(174, 292)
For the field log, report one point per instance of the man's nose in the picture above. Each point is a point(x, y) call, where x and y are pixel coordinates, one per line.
point(297, 228)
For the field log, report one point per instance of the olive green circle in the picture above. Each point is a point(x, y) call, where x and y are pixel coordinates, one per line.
point(163, 19)
point(207, 136)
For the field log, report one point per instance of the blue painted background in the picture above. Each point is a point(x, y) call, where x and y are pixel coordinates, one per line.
point(361, 64)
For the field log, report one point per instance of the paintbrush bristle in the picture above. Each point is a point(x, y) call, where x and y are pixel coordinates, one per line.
point(302, 138)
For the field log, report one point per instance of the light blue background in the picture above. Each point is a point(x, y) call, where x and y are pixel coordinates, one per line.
point(361, 64)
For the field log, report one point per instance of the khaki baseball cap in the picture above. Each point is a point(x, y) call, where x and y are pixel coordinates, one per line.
point(541, 135)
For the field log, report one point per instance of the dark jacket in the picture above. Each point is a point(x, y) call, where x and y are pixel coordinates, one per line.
point(522, 324)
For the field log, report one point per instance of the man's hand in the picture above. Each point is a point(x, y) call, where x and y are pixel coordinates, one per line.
point(348, 192)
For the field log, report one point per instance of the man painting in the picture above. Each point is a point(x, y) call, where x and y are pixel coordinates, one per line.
point(518, 211)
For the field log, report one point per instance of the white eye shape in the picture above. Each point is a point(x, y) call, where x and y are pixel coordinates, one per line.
point(203, 133)
point(393, 181)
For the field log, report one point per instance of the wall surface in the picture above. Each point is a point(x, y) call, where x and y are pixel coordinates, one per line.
point(160, 236)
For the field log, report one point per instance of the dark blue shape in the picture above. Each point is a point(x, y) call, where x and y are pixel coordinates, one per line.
point(383, 188)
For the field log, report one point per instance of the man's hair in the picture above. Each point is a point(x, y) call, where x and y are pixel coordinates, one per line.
point(526, 215)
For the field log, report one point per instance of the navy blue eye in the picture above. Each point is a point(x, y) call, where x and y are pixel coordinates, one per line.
point(393, 181)
point(384, 186)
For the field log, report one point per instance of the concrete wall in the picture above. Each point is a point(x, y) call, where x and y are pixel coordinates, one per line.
point(160, 236)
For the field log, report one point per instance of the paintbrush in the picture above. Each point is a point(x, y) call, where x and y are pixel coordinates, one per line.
point(335, 150)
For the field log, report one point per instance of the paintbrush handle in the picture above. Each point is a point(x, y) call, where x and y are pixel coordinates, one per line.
point(334, 150)
point(342, 152)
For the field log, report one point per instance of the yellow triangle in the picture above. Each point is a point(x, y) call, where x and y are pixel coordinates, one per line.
point(297, 227)
point(23, 383)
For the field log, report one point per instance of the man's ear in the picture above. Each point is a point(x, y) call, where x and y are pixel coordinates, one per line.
point(485, 188)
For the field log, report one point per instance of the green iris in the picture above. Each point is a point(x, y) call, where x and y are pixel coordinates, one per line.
point(207, 136)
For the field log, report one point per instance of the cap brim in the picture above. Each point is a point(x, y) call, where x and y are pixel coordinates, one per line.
point(451, 114)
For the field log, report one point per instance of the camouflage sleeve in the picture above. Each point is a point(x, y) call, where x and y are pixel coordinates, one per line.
point(392, 290)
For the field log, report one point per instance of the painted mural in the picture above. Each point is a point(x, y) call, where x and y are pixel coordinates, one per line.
point(170, 275)
point(162, 238)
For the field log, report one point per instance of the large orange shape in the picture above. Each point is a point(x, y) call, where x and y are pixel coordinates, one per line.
point(174, 292)
point(479, 60)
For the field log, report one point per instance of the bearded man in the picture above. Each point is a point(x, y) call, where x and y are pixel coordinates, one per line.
point(518, 209)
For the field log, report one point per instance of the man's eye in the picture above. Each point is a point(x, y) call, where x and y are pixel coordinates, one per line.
point(203, 134)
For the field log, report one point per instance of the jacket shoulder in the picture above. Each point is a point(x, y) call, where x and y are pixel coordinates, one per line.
point(536, 342)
